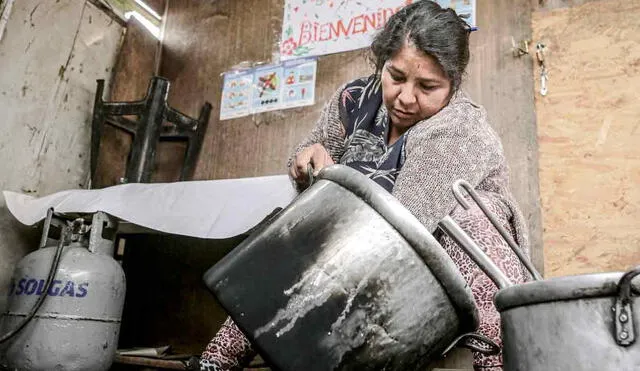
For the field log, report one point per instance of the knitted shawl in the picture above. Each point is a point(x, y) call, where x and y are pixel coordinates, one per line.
point(455, 143)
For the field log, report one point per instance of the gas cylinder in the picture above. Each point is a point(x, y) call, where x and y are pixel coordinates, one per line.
point(77, 325)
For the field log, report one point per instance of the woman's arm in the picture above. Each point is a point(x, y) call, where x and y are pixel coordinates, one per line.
point(325, 140)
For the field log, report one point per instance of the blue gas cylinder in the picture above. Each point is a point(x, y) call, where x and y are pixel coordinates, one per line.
point(77, 326)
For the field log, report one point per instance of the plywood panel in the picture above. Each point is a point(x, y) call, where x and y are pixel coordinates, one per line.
point(556, 4)
point(589, 130)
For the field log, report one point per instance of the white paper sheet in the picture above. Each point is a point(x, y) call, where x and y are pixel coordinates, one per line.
point(205, 209)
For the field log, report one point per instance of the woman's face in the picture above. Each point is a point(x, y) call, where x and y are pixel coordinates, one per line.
point(414, 87)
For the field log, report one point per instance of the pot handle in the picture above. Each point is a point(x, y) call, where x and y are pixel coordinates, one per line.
point(476, 342)
point(474, 251)
point(624, 331)
point(310, 176)
point(457, 192)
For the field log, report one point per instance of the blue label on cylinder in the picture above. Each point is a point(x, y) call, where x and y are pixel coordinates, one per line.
point(32, 286)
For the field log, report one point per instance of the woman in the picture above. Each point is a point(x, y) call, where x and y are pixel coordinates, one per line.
point(412, 130)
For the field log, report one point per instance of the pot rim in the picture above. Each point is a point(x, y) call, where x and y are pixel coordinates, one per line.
point(585, 286)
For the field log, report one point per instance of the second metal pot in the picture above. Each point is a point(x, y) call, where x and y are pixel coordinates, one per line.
point(578, 323)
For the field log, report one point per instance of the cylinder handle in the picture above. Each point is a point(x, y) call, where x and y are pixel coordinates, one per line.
point(458, 187)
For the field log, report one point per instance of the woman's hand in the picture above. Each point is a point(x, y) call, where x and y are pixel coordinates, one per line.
point(315, 155)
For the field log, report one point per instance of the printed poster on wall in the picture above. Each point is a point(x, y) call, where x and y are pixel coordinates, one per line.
point(236, 95)
point(466, 9)
point(268, 88)
point(299, 87)
point(319, 27)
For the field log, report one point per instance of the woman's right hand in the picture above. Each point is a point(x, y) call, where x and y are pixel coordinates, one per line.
point(316, 155)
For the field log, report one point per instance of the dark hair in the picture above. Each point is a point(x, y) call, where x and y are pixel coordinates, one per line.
point(438, 32)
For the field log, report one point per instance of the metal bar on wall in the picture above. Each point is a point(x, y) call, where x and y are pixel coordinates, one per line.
point(5, 10)
point(108, 10)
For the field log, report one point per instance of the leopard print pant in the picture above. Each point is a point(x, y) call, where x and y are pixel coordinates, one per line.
point(230, 349)
point(480, 229)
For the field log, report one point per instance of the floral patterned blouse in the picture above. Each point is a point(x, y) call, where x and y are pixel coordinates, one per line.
point(367, 128)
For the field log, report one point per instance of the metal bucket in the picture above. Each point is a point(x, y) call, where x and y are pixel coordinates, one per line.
point(584, 322)
point(344, 278)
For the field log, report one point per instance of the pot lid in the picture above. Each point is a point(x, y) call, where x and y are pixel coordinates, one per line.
point(562, 288)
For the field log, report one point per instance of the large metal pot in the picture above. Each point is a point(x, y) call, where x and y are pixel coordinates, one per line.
point(344, 278)
point(578, 323)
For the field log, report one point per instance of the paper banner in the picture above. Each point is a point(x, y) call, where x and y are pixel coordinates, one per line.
point(319, 27)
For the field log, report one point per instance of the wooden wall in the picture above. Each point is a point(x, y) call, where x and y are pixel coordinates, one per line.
point(503, 85)
point(589, 130)
point(51, 53)
point(204, 39)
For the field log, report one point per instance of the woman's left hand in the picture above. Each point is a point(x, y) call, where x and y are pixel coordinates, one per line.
point(316, 155)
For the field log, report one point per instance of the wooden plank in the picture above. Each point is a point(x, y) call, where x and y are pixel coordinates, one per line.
point(589, 133)
point(502, 84)
point(156, 5)
point(458, 359)
point(152, 363)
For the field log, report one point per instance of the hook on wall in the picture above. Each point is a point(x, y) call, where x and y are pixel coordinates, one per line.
point(521, 48)
point(544, 76)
